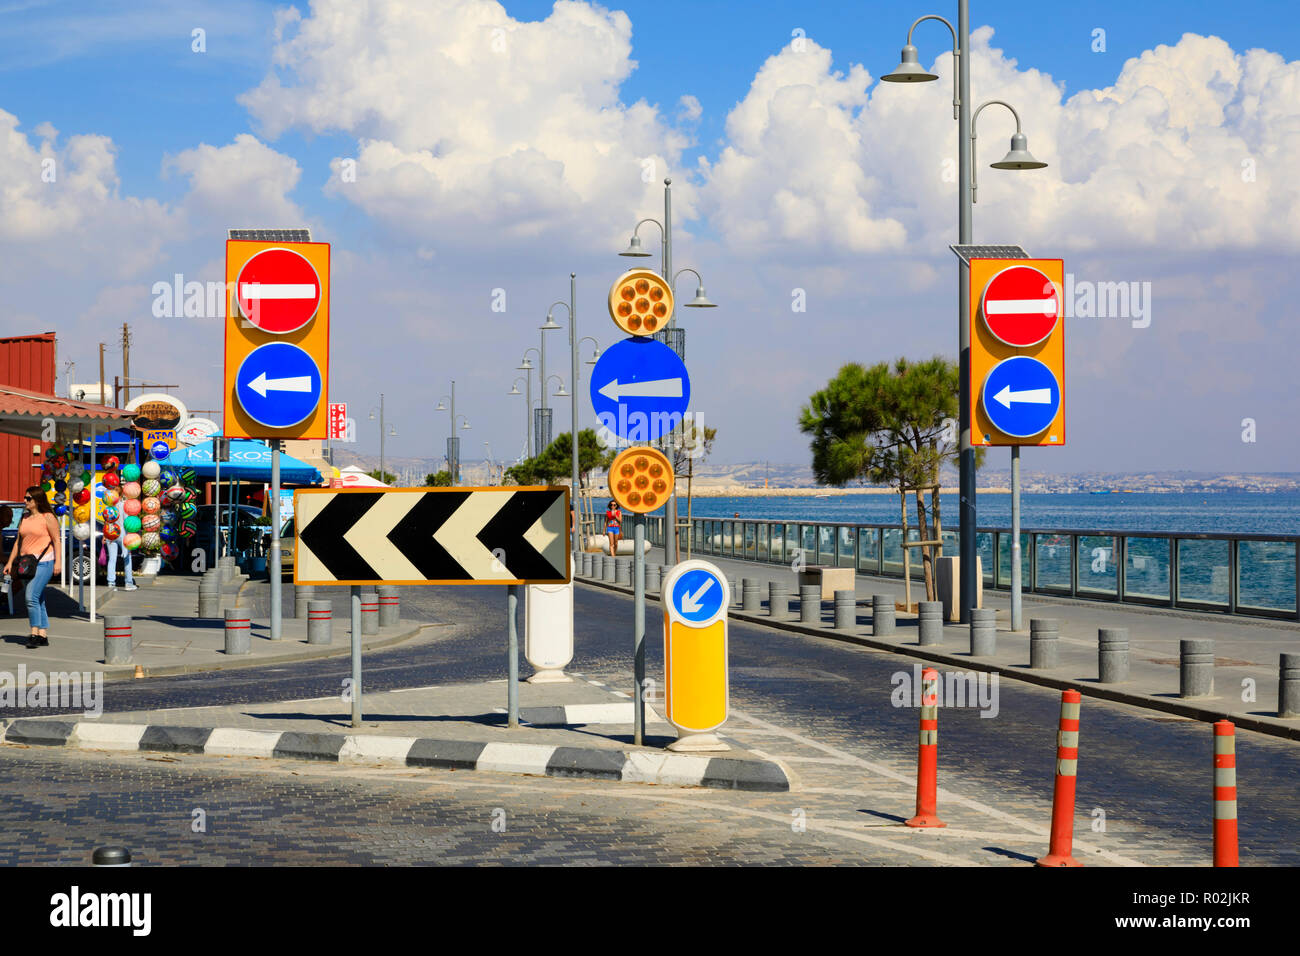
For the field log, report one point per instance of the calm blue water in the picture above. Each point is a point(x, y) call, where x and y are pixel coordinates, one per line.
point(1223, 512)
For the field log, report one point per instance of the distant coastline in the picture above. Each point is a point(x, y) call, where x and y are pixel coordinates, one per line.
point(739, 491)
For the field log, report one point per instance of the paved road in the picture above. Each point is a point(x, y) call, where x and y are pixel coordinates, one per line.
point(822, 707)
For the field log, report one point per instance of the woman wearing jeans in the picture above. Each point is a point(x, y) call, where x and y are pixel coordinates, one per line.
point(38, 535)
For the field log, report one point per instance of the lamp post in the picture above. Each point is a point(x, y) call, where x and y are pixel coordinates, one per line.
point(393, 434)
point(910, 70)
point(527, 367)
point(528, 413)
point(453, 443)
point(571, 307)
point(670, 335)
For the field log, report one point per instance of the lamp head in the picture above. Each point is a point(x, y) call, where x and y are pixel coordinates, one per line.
point(910, 70)
point(526, 365)
point(1019, 157)
point(634, 249)
point(514, 390)
point(550, 324)
point(441, 407)
point(701, 301)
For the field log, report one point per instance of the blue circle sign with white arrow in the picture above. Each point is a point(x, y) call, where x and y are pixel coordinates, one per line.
point(278, 385)
point(697, 595)
point(1021, 396)
point(640, 389)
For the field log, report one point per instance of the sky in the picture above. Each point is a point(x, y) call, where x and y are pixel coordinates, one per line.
point(463, 157)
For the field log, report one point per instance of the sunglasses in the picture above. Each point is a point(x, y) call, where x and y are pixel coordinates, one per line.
point(28, 498)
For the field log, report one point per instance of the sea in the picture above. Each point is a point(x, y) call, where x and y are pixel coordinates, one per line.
point(1223, 512)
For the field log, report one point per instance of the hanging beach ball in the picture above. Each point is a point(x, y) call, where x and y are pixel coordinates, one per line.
point(131, 506)
point(160, 450)
point(86, 476)
point(82, 496)
point(150, 541)
point(150, 488)
point(132, 541)
point(111, 497)
point(81, 530)
point(188, 477)
point(170, 551)
point(76, 485)
point(111, 531)
point(111, 462)
point(151, 469)
point(174, 493)
point(47, 486)
point(109, 514)
point(111, 480)
point(151, 523)
point(60, 510)
point(151, 506)
point(61, 485)
point(187, 510)
point(132, 524)
point(130, 472)
point(60, 498)
point(131, 489)
point(81, 513)
point(188, 528)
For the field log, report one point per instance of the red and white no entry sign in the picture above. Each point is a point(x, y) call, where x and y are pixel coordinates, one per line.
point(278, 291)
point(1021, 306)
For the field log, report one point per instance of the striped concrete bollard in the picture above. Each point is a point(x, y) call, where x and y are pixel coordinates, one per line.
point(1196, 668)
point(369, 613)
point(1112, 655)
point(210, 596)
point(117, 639)
point(320, 622)
point(653, 577)
point(303, 594)
point(846, 610)
point(983, 632)
point(1225, 793)
point(611, 570)
point(929, 622)
point(778, 601)
point(882, 614)
point(623, 571)
point(390, 608)
point(751, 598)
point(810, 603)
point(1044, 643)
point(1288, 685)
point(239, 626)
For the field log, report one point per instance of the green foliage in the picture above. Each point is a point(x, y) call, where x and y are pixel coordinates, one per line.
point(387, 477)
point(440, 479)
point(556, 460)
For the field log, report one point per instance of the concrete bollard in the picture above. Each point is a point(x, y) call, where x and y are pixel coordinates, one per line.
point(369, 613)
point(239, 632)
point(117, 639)
point(846, 610)
point(303, 594)
point(882, 614)
point(810, 603)
point(1196, 668)
point(110, 856)
point(611, 569)
point(653, 577)
point(1288, 686)
point(228, 568)
point(320, 622)
point(586, 563)
point(597, 566)
point(1044, 643)
point(390, 608)
point(210, 596)
point(983, 632)
point(623, 571)
point(929, 623)
point(737, 591)
point(1112, 655)
point(751, 599)
point(778, 601)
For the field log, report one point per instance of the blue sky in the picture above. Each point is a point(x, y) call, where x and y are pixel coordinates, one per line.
point(126, 72)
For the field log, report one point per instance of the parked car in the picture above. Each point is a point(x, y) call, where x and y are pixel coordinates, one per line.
point(288, 538)
point(9, 533)
point(250, 535)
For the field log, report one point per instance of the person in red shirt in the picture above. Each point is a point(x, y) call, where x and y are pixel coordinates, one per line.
point(613, 524)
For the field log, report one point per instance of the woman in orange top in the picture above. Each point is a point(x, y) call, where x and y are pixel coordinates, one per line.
point(38, 534)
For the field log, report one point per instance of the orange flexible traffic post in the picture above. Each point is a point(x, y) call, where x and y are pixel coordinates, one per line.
point(1060, 852)
point(1225, 793)
point(927, 761)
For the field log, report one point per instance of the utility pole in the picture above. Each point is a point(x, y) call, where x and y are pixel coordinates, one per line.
point(126, 364)
point(101, 374)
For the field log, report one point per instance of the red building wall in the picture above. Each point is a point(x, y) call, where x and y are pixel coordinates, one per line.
point(27, 362)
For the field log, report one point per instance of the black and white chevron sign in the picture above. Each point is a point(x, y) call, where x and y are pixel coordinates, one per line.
point(432, 536)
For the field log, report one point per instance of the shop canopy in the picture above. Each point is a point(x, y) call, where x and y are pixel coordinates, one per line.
point(249, 461)
point(27, 413)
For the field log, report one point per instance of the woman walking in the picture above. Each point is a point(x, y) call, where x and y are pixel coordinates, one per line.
point(613, 522)
point(38, 536)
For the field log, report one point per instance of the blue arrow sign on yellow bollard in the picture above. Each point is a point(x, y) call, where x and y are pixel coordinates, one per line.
point(695, 599)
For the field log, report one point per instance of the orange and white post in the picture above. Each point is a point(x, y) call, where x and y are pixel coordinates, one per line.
point(1225, 793)
point(927, 760)
point(1060, 851)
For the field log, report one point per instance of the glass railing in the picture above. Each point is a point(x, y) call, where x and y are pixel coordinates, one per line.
point(1245, 574)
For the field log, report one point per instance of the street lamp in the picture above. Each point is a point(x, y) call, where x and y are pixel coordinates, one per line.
point(528, 413)
point(570, 307)
point(453, 443)
point(670, 335)
point(909, 70)
point(527, 366)
point(392, 432)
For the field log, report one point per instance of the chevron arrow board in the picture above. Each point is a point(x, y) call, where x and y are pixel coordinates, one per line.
point(432, 536)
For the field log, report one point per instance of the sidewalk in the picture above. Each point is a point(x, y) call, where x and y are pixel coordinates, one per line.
point(1244, 649)
point(578, 729)
point(168, 637)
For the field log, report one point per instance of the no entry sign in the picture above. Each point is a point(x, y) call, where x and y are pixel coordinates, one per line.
point(1021, 306)
point(278, 291)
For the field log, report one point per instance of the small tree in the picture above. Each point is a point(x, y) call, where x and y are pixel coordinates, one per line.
point(441, 479)
point(387, 477)
point(883, 425)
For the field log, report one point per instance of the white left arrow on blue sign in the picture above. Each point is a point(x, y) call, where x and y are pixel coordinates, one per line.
point(279, 385)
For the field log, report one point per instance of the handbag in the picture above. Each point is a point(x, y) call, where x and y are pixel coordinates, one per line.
point(103, 554)
point(25, 566)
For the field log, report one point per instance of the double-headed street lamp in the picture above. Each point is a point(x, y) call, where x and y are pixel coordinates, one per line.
point(670, 335)
point(911, 71)
point(453, 443)
point(528, 413)
point(392, 432)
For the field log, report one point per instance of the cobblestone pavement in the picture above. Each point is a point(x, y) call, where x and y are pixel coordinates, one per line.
point(821, 707)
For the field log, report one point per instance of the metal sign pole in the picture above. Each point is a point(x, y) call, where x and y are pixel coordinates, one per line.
point(356, 655)
point(512, 655)
point(216, 506)
point(638, 591)
point(1015, 538)
point(273, 565)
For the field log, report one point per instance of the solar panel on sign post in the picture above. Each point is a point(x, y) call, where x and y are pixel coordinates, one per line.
point(271, 235)
point(968, 251)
